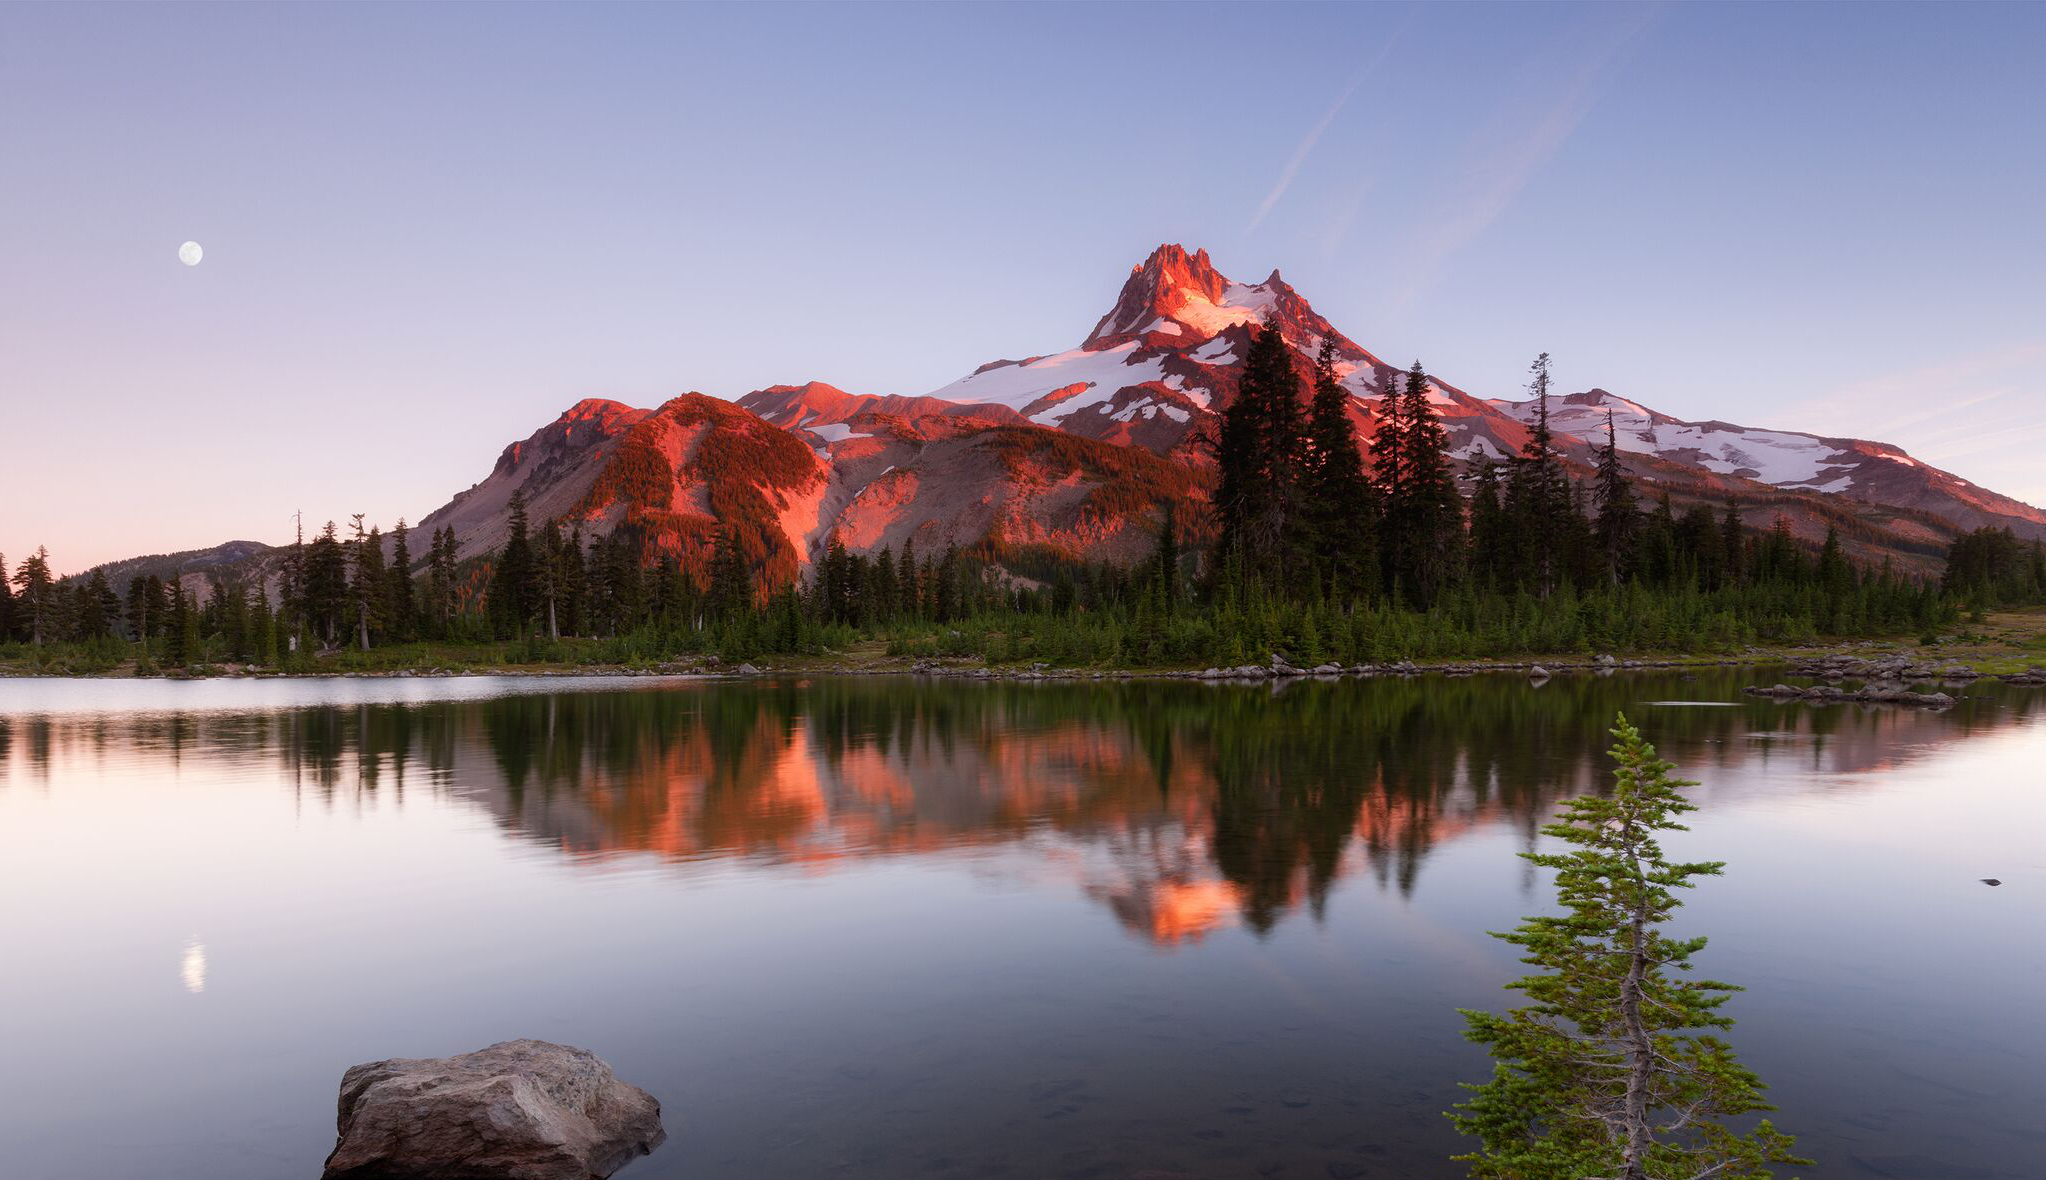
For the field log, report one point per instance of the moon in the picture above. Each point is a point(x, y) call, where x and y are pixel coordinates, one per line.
point(190, 253)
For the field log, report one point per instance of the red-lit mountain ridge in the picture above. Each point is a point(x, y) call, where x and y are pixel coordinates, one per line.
point(1071, 454)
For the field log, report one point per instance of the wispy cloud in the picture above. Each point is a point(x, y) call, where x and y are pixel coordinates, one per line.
point(1938, 393)
point(1508, 154)
point(1983, 413)
point(1314, 133)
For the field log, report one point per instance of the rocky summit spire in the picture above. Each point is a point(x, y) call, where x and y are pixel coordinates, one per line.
point(1162, 285)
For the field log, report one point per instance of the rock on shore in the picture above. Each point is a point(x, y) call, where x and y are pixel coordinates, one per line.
point(518, 1110)
point(1871, 695)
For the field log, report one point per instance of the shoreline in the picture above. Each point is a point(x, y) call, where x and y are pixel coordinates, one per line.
point(1864, 659)
point(2007, 645)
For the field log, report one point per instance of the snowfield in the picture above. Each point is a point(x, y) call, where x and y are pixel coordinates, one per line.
point(1782, 458)
point(1104, 372)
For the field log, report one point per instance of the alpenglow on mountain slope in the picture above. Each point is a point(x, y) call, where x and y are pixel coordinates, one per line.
point(1072, 455)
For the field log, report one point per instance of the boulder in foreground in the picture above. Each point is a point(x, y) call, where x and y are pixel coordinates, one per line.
point(518, 1110)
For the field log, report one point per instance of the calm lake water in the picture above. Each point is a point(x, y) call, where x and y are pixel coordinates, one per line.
point(901, 928)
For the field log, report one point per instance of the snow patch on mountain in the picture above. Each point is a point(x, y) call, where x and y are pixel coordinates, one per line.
point(1018, 384)
point(832, 432)
point(1777, 457)
point(1239, 305)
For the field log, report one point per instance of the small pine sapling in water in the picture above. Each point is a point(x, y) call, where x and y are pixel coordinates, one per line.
point(1612, 1071)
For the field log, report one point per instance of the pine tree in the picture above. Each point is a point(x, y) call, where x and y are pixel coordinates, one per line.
point(183, 646)
point(1491, 556)
point(261, 626)
point(511, 581)
point(369, 587)
point(625, 588)
point(194, 635)
point(731, 586)
point(99, 606)
point(1341, 505)
point(1425, 522)
point(6, 602)
point(326, 586)
point(1612, 1069)
point(401, 605)
point(36, 597)
point(1259, 462)
point(835, 589)
point(147, 608)
point(1616, 511)
point(176, 653)
point(441, 582)
point(886, 589)
point(946, 602)
point(292, 580)
point(550, 569)
point(1836, 576)
point(1537, 494)
point(1166, 561)
point(1733, 546)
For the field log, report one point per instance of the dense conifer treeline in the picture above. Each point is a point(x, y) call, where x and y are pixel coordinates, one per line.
point(1321, 552)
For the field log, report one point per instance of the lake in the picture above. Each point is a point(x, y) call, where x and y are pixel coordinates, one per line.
point(891, 927)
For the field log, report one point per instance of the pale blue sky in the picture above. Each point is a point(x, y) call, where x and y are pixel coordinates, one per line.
point(430, 229)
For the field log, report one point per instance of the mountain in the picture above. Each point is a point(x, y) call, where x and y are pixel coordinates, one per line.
point(873, 471)
point(1871, 472)
point(190, 565)
point(1164, 360)
point(1072, 454)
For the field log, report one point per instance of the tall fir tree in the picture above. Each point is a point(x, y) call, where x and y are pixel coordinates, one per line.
point(1537, 494)
point(401, 603)
point(1836, 574)
point(326, 586)
point(575, 582)
point(510, 599)
point(1341, 505)
point(550, 570)
point(907, 582)
point(368, 586)
point(1613, 1068)
point(98, 607)
point(731, 586)
point(36, 597)
point(146, 608)
point(1733, 546)
point(442, 582)
point(1616, 512)
point(291, 582)
point(835, 583)
point(1425, 523)
point(1491, 541)
point(1166, 560)
point(183, 643)
point(1259, 452)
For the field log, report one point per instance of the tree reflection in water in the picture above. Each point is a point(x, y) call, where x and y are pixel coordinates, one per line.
point(1180, 807)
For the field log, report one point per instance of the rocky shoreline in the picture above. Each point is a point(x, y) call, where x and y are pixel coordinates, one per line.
point(1887, 676)
point(1884, 681)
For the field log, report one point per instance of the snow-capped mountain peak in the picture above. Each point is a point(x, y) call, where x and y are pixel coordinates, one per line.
point(1164, 354)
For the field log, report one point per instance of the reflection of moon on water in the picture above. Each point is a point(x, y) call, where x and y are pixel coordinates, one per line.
point(190, 253)
point(193, 969)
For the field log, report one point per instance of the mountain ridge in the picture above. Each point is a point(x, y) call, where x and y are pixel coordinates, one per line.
point(974, 463)
point(1073, 455)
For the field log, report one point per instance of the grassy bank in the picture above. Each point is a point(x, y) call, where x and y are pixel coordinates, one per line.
point(1999, 642)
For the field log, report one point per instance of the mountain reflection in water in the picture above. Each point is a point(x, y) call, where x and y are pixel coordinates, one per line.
point(893, 927)
point(1179, 807)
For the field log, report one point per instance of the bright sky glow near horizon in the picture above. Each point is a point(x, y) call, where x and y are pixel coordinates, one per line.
point(428, 230)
